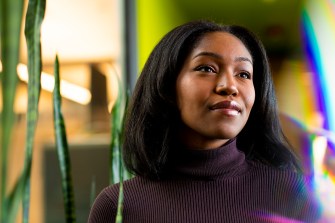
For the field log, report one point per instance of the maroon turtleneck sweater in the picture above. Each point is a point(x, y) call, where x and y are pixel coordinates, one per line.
point(211, 186)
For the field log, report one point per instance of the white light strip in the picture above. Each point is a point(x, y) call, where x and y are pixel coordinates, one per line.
point(319, 151)
point(68, 90)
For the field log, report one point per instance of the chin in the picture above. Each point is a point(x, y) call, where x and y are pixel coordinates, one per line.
point(225, 136)
point(229, 133)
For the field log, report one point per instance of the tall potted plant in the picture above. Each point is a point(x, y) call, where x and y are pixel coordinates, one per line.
point(11, 14)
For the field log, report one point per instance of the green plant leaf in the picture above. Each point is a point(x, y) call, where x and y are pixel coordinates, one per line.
point(93, 191)
point(15, 198)
point(126, 173)
point(34, 18)
point(119, 215)
point(116, 123)
point(120, 204)
point(117, 170)
point(63, 151)
point(10, 28)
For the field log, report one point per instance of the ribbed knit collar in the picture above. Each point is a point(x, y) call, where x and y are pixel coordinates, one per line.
point(225, 161)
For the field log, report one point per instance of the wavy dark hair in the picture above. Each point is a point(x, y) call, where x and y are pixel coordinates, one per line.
point(153, 117)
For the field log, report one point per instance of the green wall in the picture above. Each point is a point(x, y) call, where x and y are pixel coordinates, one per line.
point(275, 22)
point(155, 19)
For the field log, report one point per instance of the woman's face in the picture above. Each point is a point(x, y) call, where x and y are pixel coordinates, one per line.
point(215, 91)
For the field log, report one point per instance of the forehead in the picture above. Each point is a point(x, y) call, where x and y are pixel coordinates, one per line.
point(223, 43)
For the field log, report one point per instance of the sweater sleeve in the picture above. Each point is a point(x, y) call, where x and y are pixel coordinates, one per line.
point(105, 207)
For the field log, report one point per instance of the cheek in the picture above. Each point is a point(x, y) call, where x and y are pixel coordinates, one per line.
point(181, 94)
point(185, 100)
point(250, 99)
point(188, 92)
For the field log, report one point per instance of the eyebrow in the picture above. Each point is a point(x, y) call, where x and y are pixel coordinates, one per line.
point(218, 56)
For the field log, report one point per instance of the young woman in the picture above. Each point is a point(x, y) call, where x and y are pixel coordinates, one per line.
point(203, 137)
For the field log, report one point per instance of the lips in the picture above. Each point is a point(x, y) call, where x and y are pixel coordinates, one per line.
point(228, 105)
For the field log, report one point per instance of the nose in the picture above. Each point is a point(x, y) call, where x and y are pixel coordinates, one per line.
point(226, 86)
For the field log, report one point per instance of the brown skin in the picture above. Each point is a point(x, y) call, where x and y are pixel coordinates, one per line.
point(215, 91)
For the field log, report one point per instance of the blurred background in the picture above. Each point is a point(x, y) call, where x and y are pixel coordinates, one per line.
point(99, 41)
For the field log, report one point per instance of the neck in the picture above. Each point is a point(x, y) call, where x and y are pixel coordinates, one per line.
point(224, 161)
point(193, 140)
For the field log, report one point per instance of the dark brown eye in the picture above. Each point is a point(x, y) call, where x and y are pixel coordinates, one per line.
point(245, 75)
point(207, 69)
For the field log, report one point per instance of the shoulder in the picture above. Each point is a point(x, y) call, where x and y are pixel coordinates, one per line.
point(275, 173)
point(281, 178)
point(105, 205)
point(104, 208)
point(290, 187)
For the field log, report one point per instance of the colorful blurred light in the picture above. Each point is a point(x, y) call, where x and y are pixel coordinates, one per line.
point(318, 31)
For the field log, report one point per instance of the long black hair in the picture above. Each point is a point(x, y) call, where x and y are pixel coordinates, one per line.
point(153, 117)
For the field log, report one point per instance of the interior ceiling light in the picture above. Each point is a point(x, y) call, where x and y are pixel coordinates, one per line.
point(68, 90)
